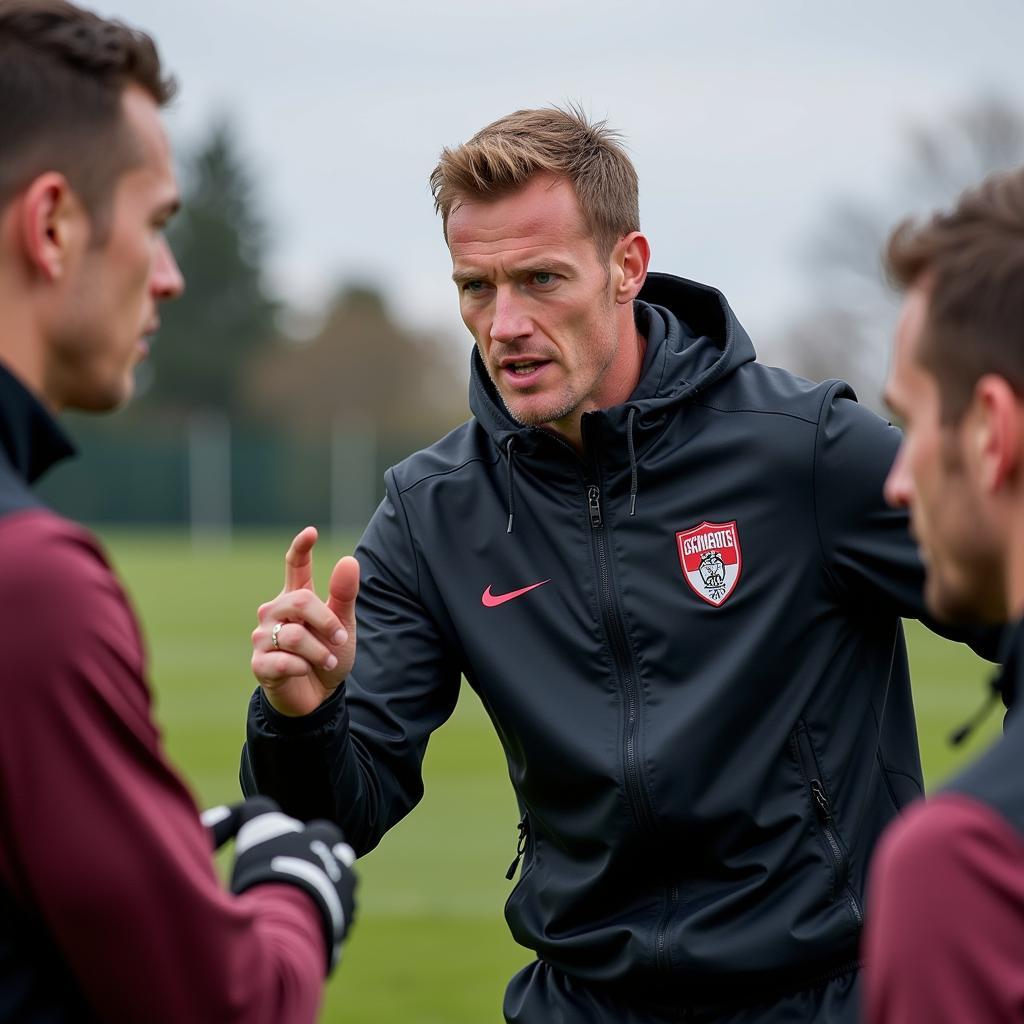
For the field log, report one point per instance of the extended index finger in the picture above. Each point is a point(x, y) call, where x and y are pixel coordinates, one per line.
point(298, 562)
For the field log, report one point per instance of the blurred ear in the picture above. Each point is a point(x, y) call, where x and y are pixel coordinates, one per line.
point(995, 422)
point(630, 257)
point(52, 226)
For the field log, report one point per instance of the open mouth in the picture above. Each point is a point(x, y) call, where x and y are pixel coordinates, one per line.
point(523, 373)
point(525, 368)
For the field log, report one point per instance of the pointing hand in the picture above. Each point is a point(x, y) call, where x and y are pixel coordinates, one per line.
point(303, 648)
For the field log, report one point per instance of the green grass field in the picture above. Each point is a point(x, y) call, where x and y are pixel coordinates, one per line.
point(431, 945)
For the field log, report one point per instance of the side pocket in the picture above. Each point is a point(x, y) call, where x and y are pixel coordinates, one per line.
point(821, 801)
point(523, 909)
point(521, 846)
point(525, 855)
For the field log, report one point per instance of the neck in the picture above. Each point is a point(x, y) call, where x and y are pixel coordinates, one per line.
point(22, 357)
point(1015, 579)
point(1009, 528)
point(620, 381)
point(22, 348)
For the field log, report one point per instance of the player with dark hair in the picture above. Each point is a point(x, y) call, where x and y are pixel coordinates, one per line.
point(945, 941)
point(110, 908)
point(668, 572)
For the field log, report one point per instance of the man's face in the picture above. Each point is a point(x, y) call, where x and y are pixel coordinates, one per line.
point(539, 301)
point(110, 303)
point(936, 480)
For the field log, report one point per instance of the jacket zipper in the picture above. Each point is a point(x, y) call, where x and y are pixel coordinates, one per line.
point(620, 651)
point(614, 632)
point(823, 812)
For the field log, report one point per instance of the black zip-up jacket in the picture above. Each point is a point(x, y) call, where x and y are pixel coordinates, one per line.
point(704, 749)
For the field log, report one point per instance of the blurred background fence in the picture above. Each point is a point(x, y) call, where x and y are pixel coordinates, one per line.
point(208, 475)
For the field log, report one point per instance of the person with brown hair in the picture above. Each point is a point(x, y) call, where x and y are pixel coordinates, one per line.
point(668, 573)
point(945, 940)
point(110, 907)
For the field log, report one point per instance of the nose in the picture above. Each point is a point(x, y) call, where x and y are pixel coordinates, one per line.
point(509, 321)
point(898, 485)
point(167, 281)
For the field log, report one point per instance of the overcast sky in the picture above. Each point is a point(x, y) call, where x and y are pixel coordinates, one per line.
point(744, 118)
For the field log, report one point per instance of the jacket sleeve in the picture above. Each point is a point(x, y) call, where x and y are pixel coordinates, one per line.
point(871, 559)
point(943, 935)
point(357, 759)
point(102, 842)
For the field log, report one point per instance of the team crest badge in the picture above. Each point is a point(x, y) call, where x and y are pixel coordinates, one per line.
point(711, 560)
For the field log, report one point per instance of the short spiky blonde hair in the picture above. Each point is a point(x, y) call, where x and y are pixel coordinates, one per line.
point(502, 158)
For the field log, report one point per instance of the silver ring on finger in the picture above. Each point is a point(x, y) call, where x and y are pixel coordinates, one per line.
point(273, 635)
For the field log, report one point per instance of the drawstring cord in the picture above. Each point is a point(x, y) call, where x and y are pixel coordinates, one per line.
point(511, 486)
point(979, 716)
point(632, 461)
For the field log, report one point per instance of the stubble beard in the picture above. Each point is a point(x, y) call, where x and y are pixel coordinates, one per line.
point(567, 404)
point(964, 581)
point(975, 594)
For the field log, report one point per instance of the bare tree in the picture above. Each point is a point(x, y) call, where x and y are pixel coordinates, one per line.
point(847, 331)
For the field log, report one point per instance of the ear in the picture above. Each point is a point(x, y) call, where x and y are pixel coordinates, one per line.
point(996, 426)
point(630, 257)
point(52, 225)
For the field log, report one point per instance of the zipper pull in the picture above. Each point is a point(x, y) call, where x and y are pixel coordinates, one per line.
point(520, 849)
point(594, 506)
point(824, 808)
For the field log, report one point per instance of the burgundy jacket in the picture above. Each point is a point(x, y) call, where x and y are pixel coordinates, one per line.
point(945, 935)
point(110, 907)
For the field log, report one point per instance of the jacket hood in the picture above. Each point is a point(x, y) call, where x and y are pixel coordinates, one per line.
point(693, 341)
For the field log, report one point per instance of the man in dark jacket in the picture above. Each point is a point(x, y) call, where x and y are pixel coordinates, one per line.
point(946, 935)
point(668, 573)
point(110, 907)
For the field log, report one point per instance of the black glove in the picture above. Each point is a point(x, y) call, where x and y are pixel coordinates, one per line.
point(271, 847)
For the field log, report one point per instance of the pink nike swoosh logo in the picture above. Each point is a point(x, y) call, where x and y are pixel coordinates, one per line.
point(489, 600)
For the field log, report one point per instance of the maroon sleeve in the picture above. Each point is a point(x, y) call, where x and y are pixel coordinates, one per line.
point(98, 835)
point(945, 931)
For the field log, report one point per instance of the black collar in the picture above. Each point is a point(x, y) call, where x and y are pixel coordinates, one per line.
point(1012, 658)
point(30, 438)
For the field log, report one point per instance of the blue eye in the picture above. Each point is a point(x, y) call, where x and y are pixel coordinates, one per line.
point(544, 277)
